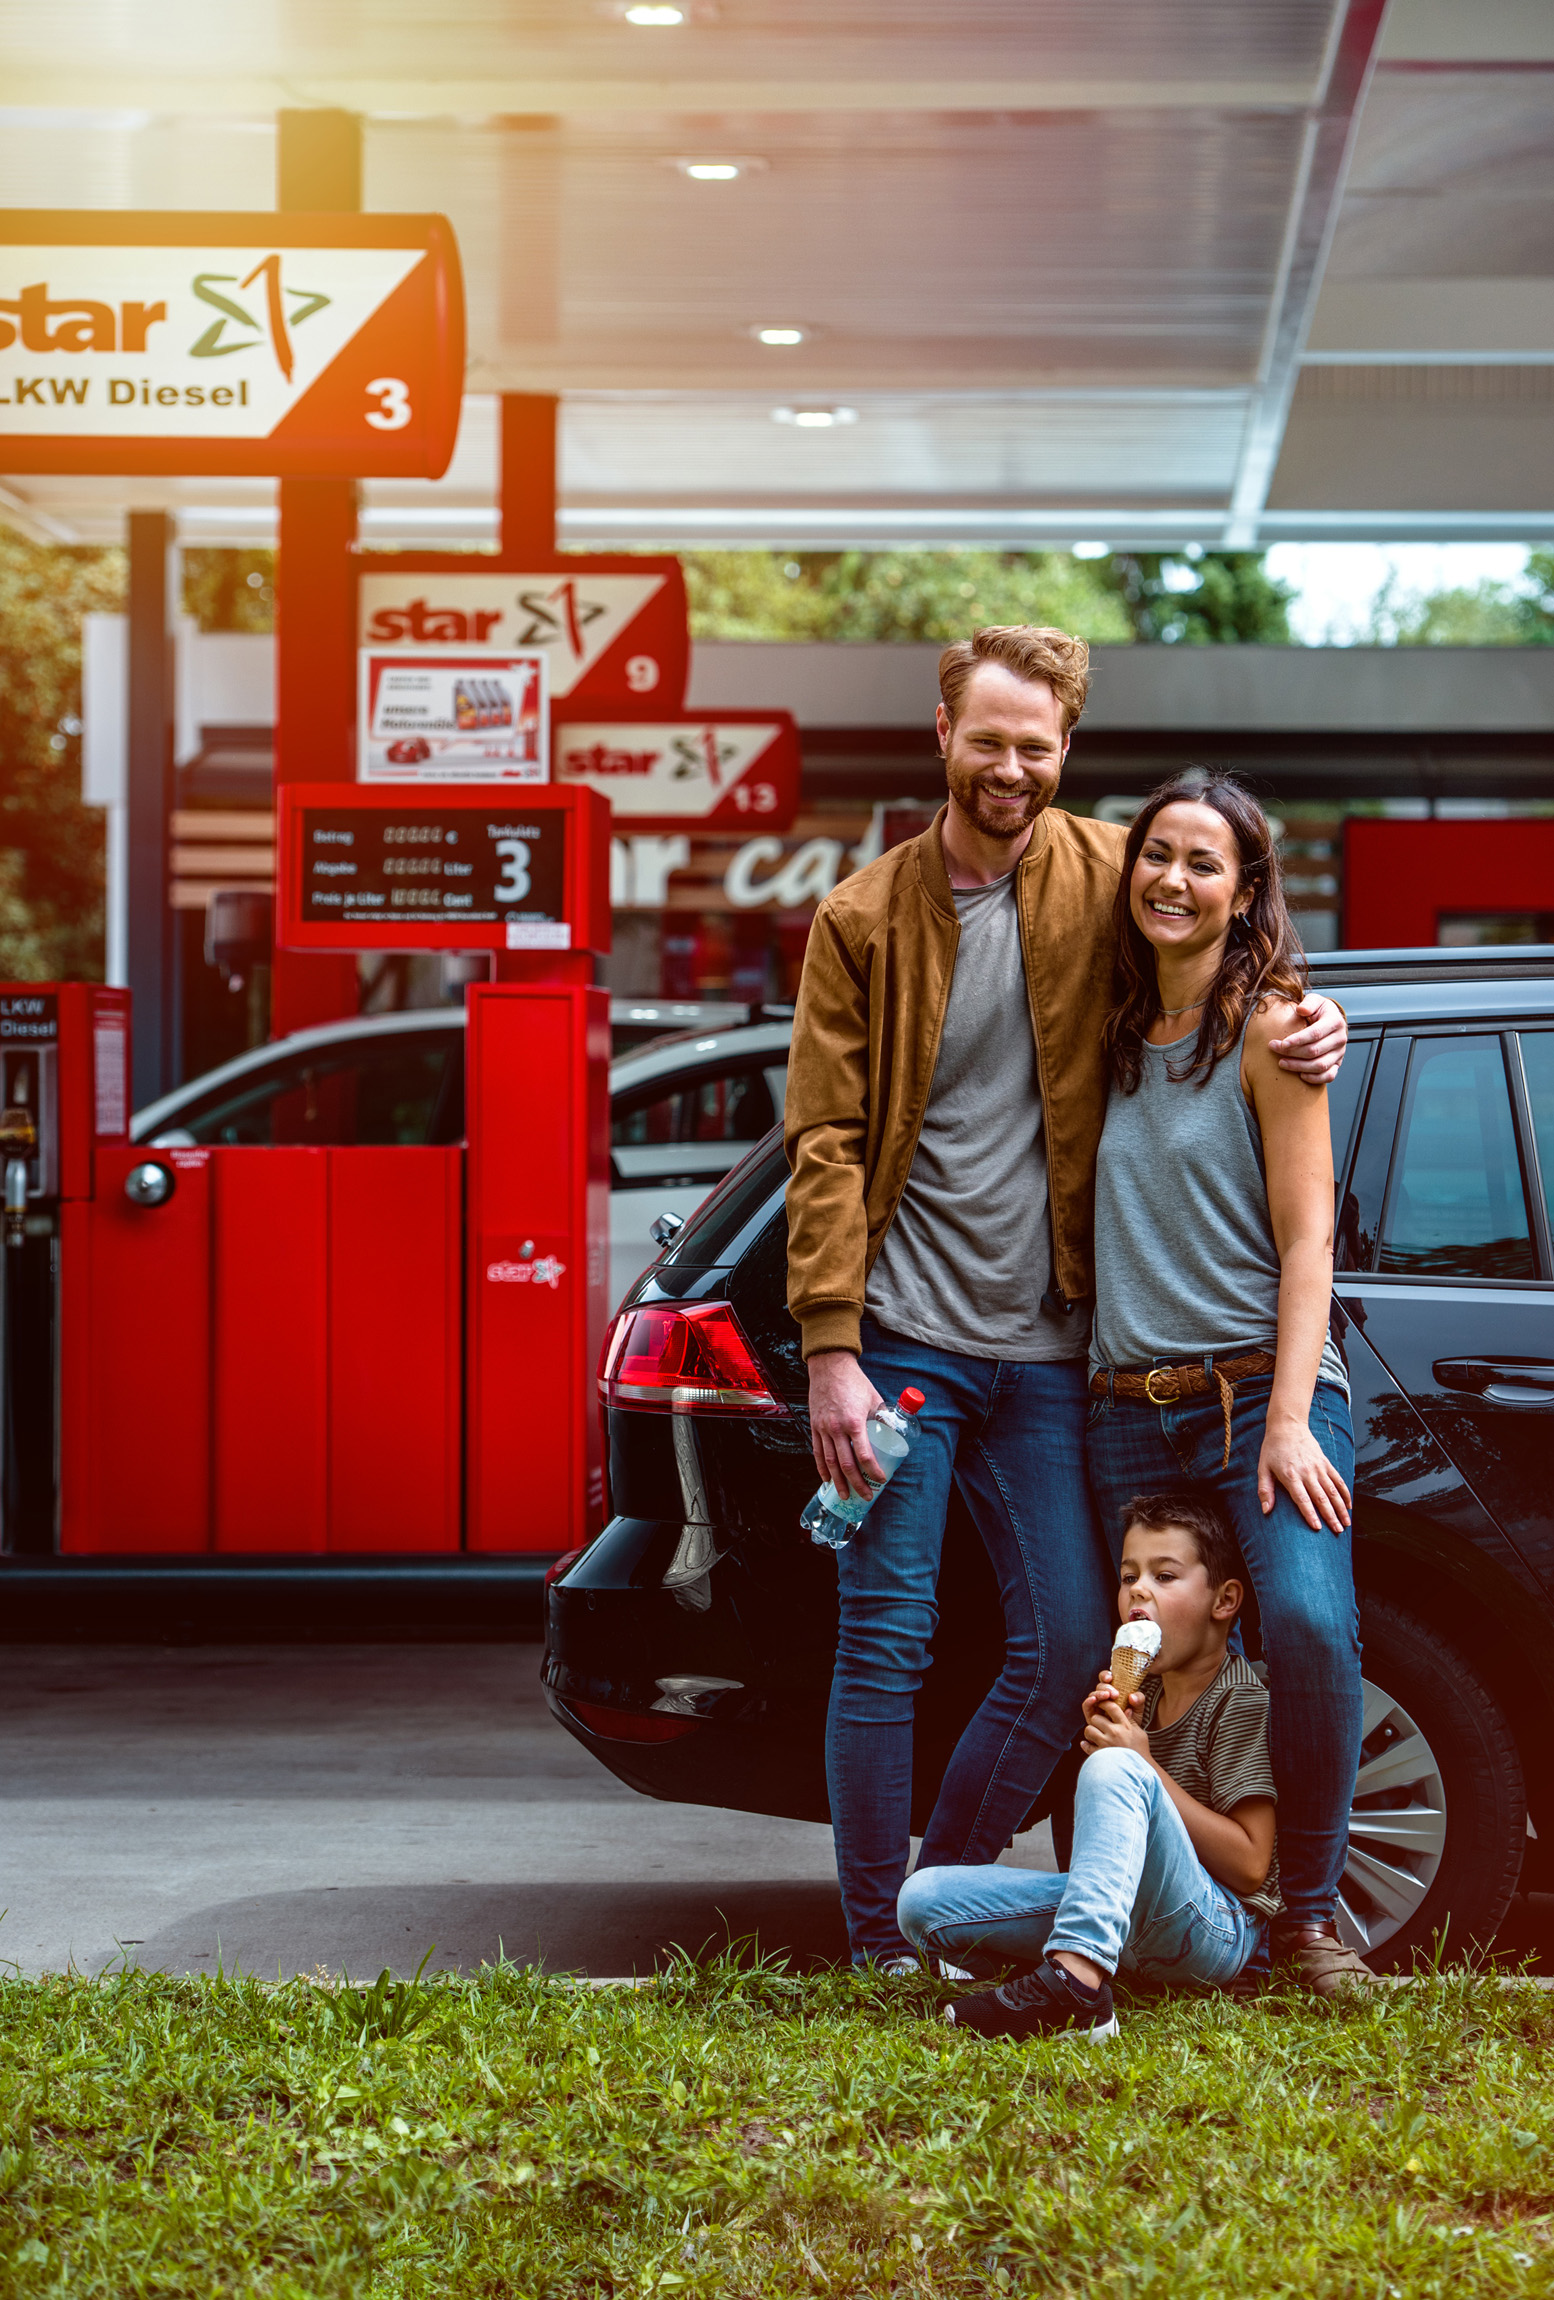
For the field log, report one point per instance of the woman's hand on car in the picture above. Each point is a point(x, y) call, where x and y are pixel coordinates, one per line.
point(1314, 1052)
point(1292, 1457)
point(841, 1399)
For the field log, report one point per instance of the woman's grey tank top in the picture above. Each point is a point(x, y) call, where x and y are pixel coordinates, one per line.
point(1185, 1259)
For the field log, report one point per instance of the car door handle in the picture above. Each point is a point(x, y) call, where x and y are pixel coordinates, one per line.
point(1502, 1381)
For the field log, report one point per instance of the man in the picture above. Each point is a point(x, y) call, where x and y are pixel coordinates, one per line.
point(945, 1097)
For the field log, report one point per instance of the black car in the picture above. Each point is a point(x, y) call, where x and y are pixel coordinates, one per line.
point(689, 1647)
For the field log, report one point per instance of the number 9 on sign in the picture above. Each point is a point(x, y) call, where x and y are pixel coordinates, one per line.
point(393, 396)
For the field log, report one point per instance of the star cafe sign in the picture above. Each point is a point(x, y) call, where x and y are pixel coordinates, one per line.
point(311, 346)
point(611, 627)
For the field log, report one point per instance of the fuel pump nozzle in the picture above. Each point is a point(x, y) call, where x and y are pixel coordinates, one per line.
point(18, 1143)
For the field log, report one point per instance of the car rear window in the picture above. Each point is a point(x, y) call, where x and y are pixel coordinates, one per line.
point(711, 1236)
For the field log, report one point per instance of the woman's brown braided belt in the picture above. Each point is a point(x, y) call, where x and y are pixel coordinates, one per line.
point(1168, 1385)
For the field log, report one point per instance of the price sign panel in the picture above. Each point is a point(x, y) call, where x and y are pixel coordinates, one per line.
point(308, 346)
point(454, 715)
point(611, 629)
point(721, 770)
point(458, 867)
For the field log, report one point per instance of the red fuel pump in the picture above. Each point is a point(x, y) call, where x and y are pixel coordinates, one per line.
point(381, 1353)
point(64, 1103)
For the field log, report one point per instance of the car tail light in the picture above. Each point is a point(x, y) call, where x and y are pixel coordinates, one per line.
point(560, 1565)
point(694, 1360)
point(631, 1724)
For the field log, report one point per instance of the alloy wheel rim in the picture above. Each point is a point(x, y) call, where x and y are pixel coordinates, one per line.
point(1397, 1825)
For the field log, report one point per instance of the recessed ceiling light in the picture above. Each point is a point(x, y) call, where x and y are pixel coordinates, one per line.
point(1091, 550)
point(722, 170)
point(815, 418)
point(645, 15)
point(779, 334)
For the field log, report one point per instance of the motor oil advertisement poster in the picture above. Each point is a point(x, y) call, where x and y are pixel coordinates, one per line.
point(446, 715)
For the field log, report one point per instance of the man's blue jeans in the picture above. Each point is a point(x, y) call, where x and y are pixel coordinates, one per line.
point(1304, 1585)
point(1137, 1898)
point(1012, 1438)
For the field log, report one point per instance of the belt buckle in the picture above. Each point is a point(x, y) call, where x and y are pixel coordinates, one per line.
point(1149, 1379)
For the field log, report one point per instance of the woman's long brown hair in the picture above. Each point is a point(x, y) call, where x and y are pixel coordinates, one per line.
point(1262, 956)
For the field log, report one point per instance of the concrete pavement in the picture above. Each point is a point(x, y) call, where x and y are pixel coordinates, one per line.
point(273, 1809)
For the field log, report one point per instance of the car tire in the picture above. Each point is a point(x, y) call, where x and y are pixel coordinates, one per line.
point(1414, 1678)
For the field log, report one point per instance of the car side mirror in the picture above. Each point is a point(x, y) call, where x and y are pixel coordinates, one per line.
point(666, 1229)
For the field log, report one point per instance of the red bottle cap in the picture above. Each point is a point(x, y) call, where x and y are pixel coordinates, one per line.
point(910, 1400)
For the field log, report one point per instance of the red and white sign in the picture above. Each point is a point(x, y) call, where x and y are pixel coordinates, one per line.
point(451, 715)
point(612, 630)
point(313, 346)
point(717, 769)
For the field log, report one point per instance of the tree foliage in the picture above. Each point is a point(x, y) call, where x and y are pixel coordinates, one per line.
point(899, 595)
point(51, 846)
point(229, 590)
point(1487, 614)
point(1213, 598)
point(1218, 597)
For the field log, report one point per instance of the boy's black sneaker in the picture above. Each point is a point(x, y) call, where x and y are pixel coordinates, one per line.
point(1039, 2003)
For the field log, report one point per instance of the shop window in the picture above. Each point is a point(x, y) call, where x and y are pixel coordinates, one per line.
point(1456, 1207)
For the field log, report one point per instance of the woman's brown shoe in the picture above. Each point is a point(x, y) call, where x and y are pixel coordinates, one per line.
point(1326, 1964)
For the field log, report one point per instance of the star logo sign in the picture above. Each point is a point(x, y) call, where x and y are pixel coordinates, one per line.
point(284, 308)
point(555, 615)
point(701, 754)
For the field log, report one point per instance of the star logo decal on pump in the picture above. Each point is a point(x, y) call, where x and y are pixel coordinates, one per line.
point(547, 1270)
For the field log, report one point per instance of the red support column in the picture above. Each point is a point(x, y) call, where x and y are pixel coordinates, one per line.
point(318, 167)
point(529, 477)
point(529, 481)
point(315, 706)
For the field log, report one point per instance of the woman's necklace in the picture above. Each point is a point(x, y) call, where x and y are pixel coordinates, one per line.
point(1170, 1013)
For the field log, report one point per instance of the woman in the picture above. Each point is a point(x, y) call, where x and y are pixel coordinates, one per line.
point(1211, 1356)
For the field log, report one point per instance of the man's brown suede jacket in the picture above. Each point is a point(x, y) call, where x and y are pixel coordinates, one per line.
point(866, 1038)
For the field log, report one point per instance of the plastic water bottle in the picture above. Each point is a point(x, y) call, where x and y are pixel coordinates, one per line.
point(832, 1518)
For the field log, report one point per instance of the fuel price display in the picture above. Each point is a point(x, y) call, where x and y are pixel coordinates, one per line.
point(497, 866)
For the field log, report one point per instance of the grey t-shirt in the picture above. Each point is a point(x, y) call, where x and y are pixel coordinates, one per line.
point(969, 1255)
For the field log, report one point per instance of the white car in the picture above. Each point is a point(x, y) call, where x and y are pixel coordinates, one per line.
point(682, 1109)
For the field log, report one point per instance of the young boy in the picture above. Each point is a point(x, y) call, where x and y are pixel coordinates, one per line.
point(1174, 1875)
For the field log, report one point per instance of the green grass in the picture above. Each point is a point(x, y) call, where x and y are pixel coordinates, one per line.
point(738, 2132)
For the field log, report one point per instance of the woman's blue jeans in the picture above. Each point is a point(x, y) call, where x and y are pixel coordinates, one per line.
point(1012, 1438)
point(1304, 1585)
point(1136, 1898)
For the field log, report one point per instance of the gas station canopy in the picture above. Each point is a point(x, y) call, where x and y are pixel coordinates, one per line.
point(870, 272)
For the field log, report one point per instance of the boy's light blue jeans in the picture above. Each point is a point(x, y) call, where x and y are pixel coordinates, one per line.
point(1137, 1898)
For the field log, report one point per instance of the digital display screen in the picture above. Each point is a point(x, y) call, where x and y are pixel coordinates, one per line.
point(421, 866)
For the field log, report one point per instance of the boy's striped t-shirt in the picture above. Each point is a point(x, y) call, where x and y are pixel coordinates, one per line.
point(1218, 1752)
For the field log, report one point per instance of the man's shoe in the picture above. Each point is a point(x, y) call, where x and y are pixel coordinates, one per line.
point(1038, 2003)
point(1327, 1965)
point(900, 1969)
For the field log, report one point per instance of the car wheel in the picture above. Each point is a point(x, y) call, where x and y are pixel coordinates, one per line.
point(1439, 1820)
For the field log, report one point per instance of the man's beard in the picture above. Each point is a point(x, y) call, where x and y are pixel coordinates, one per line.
point(995, 822)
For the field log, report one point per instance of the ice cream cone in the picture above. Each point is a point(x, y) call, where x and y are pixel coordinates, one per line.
point(1133, 1656)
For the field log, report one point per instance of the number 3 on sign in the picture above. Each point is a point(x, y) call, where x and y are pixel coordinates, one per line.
point(393, 410)
point(513, 884)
